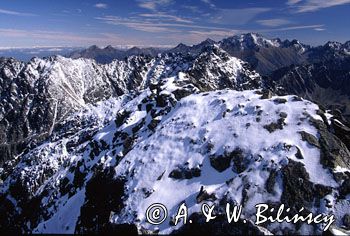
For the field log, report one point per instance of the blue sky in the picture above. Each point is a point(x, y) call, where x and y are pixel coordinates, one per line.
point(27, 23)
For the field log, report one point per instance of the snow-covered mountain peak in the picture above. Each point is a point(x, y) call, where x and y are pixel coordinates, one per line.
point(250, 41)
point(124, 154)
point(333, 45)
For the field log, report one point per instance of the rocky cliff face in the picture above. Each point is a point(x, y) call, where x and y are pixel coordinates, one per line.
point(326, 83)
point(263, 54)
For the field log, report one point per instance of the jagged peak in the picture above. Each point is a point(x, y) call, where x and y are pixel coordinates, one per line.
point(180, 45)
point(109, 47)
point(134, 48)
point(93, 47)
point(208, 40)
point(333, 44)
point(251, 40)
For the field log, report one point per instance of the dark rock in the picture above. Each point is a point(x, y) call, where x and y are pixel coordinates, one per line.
point(222, 162)
point(103, 194)
point(297, 99)
point(65, 186)
point(345, 188)
point(153, 124)
point(342, 132)
point(323, 116)
point(138, 126)
point(161, 100)
point(95, 149)
point(183, 172)
point(272, 127)
point(298, 191)
point(121, 117)
point(147, 192)
point(119, 229)
point(333, 151)
point(128, 144)
point(79, 178)
point(203, 195)
point(283, 115)
point(312, 140)
point(149, 107)
point(238, 158)
point(8, 217)
point(181, 93)
point(299, 155)
point(346, 221)
point(266, 94)
point(280, 100)
point(270, 182)
point(161, 176)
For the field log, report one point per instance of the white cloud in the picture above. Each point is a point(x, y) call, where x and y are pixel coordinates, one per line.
point(101, 5)
point(11, 37)
point(319, 29)
point(142, 24)
point(273, 22)
point(292, 2)
point(136, 24)
point(236, 16)
point(153, 5)
point(193, 9)
point(166, 17)
point(215, 33)
point(298, 27)
point(209, 3)
point(15, 13)
point(315, 5)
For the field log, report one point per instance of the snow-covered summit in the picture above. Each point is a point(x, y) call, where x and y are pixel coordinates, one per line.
point(250, 41)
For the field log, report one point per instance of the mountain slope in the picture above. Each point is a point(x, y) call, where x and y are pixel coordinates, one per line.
point(326, 83)
point(38, 95)
point(237, 146)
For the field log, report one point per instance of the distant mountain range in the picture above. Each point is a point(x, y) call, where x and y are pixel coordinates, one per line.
point(26, 54)
point(280, 60)
point(108, 54)
point(264, 55)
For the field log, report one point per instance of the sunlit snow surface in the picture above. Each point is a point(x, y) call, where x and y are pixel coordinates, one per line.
point(219, 118)
point(198, 119)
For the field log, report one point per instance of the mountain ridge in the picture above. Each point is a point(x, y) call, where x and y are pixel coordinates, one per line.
point(265, 55)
